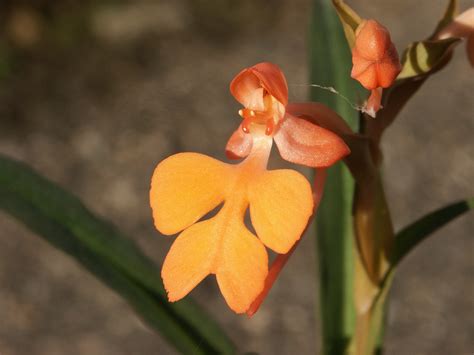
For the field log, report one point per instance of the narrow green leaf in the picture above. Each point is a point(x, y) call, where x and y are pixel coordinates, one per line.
point(427, 56)
point(405, 241)
point(62, 220)
point(330, 66)
point(349, 18)
point(412, 235)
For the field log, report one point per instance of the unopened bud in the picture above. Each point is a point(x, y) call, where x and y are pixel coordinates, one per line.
point(374, 57)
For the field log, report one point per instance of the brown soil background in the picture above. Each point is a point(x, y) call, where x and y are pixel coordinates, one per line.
point(95, 113)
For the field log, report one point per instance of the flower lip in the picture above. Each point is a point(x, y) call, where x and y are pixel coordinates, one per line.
point(186, 186)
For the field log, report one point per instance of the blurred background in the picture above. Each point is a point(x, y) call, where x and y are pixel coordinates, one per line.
point(93, 94)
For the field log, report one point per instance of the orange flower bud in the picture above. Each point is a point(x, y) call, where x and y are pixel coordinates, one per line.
point(374, 57)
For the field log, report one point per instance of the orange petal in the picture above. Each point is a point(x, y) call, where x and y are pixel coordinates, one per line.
point(368, 77)
point(280, 261)
point(239, 144)
point(302, 142)
point(281, 204)
point(263, 75)
point(242, 267)
point(184, 188)
point(190, 259)
point(243, 87)
point(359, 63)
point(273, 80)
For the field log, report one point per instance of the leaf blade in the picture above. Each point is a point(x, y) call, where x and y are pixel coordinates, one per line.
point(424, 57)
point(53, 213)
point(415, 233)
point(330, 61)
point(349, 18)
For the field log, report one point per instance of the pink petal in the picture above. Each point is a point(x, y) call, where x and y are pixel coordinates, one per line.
point(321, 115)
point(239, 144)
point(302, 142)
point(461, 26)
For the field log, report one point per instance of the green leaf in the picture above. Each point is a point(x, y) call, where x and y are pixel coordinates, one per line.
point(62, 220)
point(405, 241)
point(330, 66)
point(424, 57)
point(349, 18)
point(412, 235)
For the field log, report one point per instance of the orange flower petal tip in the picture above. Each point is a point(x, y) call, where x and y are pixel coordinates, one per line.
point(280, 206)
point(374, 57)
point(239, 262)
point(302, 142)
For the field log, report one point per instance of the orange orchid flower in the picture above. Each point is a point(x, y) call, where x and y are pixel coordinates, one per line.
point(187, 186)
point(303, 132)
point(375, 61)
